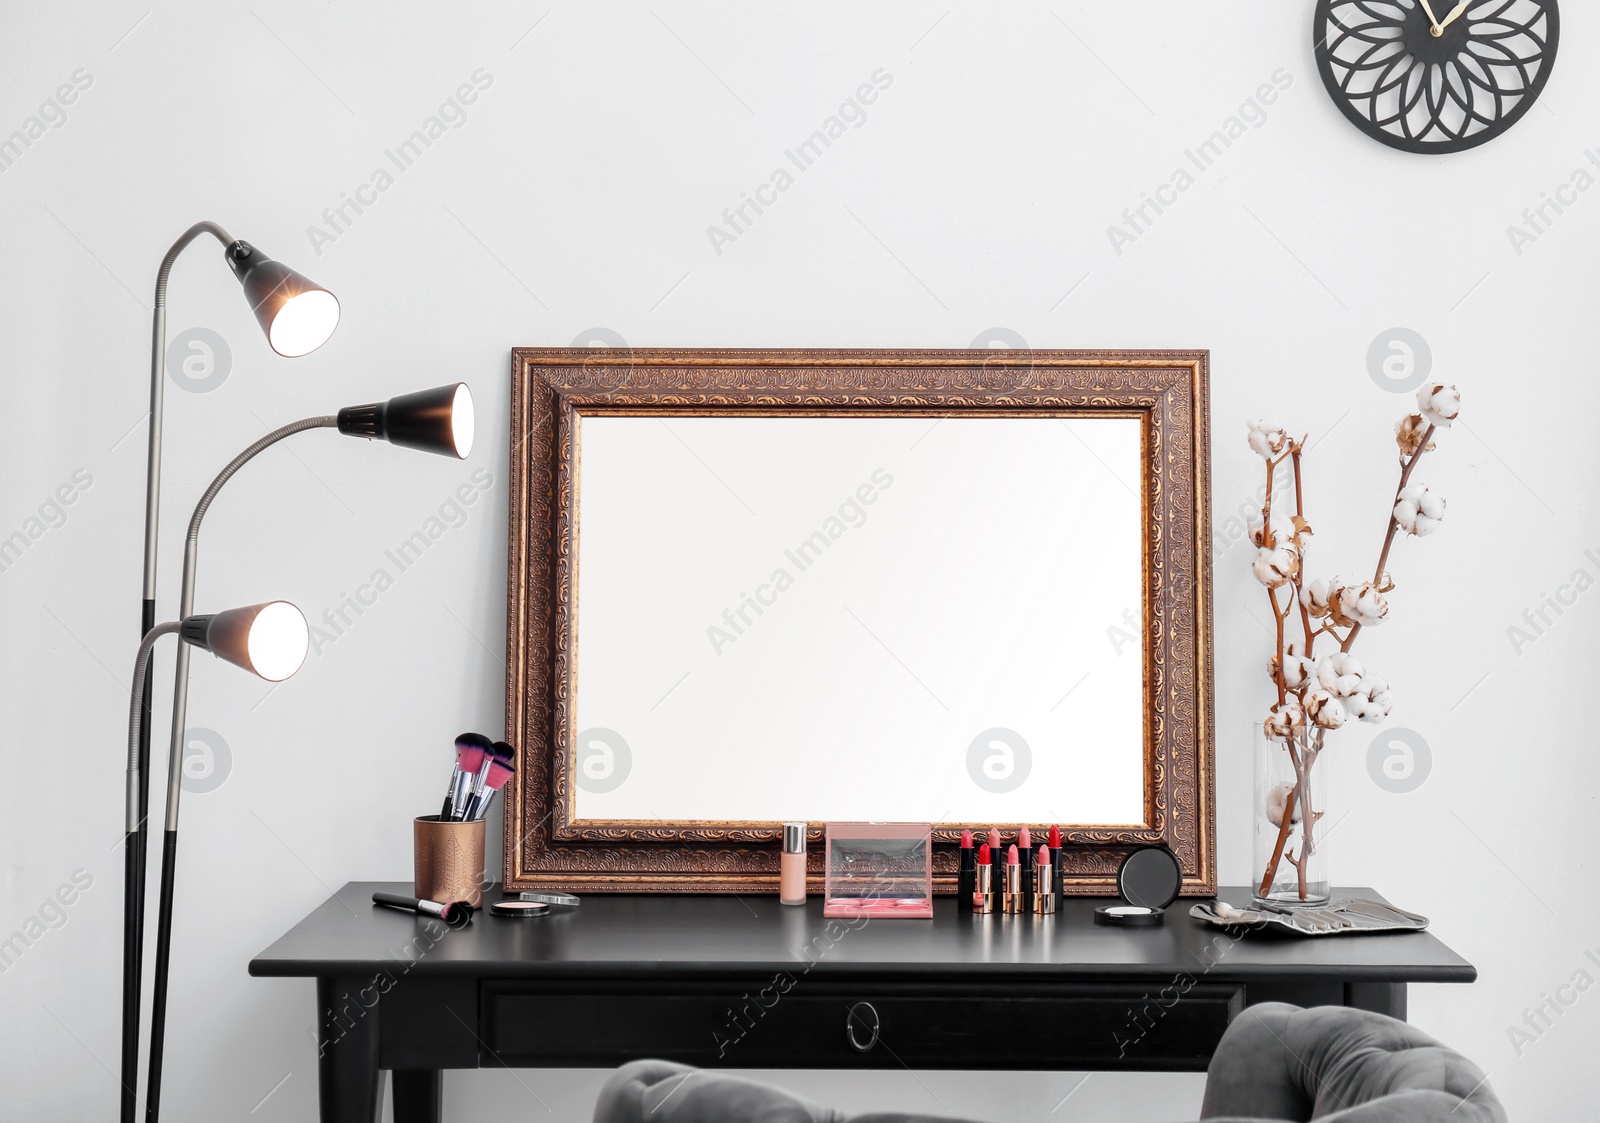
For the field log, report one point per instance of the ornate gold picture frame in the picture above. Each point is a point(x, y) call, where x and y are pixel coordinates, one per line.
point(552, 388)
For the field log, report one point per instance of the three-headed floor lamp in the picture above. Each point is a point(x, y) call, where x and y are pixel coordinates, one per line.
point(440, 420)
point(297, 317)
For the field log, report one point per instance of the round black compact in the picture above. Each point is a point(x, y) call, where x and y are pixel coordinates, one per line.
point(513, 907)
point(1148, 881)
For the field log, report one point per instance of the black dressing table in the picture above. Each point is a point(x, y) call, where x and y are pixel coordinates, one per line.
point(740, 981)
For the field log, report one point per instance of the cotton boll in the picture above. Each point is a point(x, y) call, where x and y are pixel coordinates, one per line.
point(1372, 701)
point(1324, 709)
point(1287, 720)
point(1276, 566)
point(1267, 438)
point(1283, 530)
point(1339, 674)
point(1362, 604)
point(1296, 671)
point(1319, 595)
point(1408, 434)
point(1419, 510)
point(1277, 800)
point(1440, 403)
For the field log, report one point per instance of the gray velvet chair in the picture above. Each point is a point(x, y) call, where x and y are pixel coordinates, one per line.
point(1341, 1066)
point(1275, 1062)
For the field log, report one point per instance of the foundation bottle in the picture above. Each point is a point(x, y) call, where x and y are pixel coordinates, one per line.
point(792, 865)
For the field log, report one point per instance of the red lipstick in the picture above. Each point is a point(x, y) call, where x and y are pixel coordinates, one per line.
point(982, 897)
point(1058, 884)
point(967, 876)
point(997, 882)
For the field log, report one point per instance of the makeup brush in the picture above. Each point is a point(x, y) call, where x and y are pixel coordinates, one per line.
point(500, 751)
point(454, 913)
point(470, 751)
point(1059, 884)
point(967, 877)
point(499, 772)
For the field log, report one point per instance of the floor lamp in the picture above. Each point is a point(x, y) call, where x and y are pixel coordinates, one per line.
point(297, 317)
point(439, 420)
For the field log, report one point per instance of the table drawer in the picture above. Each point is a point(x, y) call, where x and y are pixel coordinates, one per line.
point(790, 1022)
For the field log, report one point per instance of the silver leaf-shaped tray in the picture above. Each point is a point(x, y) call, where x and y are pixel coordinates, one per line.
point(1338, 918)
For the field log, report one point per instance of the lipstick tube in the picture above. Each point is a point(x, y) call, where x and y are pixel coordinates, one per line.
point(1044, 893)
point(982, 899)
point(997, 876)
point(1058, 882)
point(967, 876)
point(1025, 855)
point(1013, 891)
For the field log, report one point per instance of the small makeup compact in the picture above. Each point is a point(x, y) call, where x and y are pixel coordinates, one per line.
point(1148, 881)
point(518, 908)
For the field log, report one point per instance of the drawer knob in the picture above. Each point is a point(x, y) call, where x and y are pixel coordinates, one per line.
point(861, 1022)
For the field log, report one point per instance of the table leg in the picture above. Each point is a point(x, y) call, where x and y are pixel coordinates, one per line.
point(1381, 998)
point(349, 1082)
point(418, 1095)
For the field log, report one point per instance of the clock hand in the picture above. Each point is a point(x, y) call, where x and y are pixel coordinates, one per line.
point(1454, 15)
point(1433, 21)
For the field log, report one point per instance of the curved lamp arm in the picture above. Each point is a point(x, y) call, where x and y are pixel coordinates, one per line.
point(191, 548)
point(139, 801)
point(158, 348)
point(141, 666)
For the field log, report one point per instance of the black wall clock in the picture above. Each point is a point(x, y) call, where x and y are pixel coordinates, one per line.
point(1435, 75)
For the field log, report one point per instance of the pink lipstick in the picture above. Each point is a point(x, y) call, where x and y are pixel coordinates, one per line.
point(967, 876)
point(1044, 893)
point(1013, 890)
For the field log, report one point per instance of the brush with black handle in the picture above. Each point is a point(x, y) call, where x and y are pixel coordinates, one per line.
point(454, 913)
point(472, 749)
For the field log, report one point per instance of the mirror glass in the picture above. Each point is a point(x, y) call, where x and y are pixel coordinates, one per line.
point(859, 618)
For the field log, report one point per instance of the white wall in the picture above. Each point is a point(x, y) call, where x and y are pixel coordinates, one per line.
point(576, 195)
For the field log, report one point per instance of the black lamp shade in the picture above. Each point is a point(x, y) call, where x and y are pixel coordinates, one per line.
point(439, 420)
point(296, 314)
point(268, 639)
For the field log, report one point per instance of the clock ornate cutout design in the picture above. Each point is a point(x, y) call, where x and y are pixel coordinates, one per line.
point(1435, 75)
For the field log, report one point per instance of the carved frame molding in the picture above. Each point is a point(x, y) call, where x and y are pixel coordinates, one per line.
point(551, 388)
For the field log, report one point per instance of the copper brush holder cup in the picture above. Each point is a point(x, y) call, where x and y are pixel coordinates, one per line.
point(449, 860)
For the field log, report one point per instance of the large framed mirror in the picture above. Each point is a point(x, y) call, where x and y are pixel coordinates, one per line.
point(969, 588)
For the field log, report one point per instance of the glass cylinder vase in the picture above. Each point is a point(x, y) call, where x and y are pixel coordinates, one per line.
point(1290, 817)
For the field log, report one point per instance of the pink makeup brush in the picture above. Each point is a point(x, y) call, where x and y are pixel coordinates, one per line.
point(499, 750)
point(471, 749)
point(499, 772)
